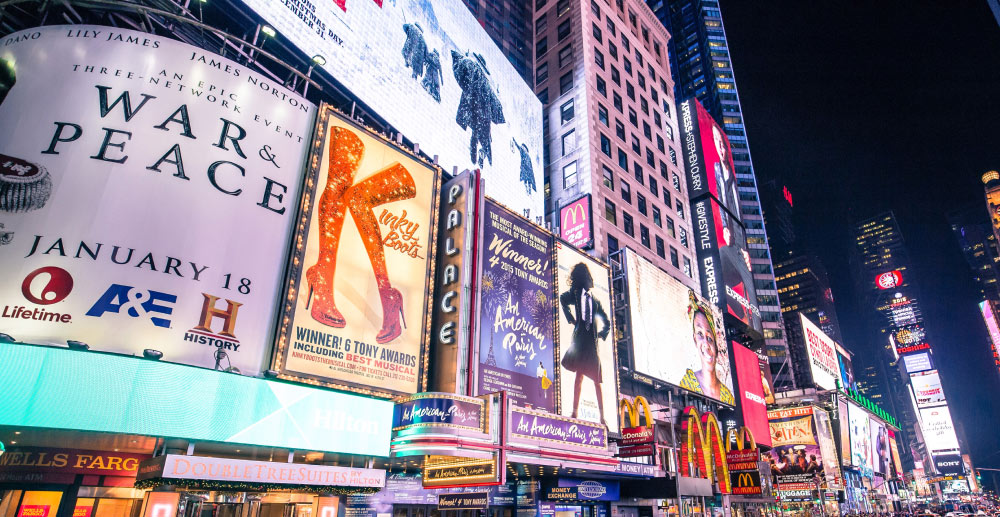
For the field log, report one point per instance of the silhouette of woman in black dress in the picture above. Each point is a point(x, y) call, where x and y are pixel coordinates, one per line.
point(582, 311)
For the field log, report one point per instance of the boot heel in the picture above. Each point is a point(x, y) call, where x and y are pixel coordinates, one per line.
point(402, 317)
point(309, 299)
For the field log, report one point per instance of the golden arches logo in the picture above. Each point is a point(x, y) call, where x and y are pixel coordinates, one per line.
point(630, 410)
point(703, 446)
point(742, 437)
point(571, 212)
point(745, 480)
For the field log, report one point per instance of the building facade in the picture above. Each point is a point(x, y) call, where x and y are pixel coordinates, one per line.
point(702, 68)
point(602, 73)
point(805, 289)
point(508, 24)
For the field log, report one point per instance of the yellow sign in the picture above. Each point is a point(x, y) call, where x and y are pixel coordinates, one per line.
point(631, 409)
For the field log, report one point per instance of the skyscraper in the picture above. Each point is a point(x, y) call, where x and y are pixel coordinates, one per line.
point(805, 289)
point(897, 345)
point(603, 76)
point(701, 68)
point(975, 237)
point(508, 22)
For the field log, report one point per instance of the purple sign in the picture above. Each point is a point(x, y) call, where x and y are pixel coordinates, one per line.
point(575, 224)
point(526, 424)
point(406, 488)
point(516, 310)
point(438, 410)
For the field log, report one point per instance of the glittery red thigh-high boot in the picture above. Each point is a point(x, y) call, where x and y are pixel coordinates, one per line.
point(346, 150)
point(392, 183)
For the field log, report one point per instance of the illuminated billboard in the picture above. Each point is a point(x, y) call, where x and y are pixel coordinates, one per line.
point(917, 362)
point(938, 429)
point(431, 71)
point(803, 447)
point(137, 214)
point(708, 157)
point(822, 355)
point(846, 368)
point(588, 378)
point(897, 462)
point(889, 279)
point(363, 262)
point(516, 310)
point(927, 388)
point(753, 403)
point(879, 448)
point(986, 307)
point(845, 431)
point(861, 445)
point(724, 263)
point(685, 344)
point(576, 225)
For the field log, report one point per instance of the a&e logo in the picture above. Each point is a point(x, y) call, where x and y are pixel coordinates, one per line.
point(138, 303)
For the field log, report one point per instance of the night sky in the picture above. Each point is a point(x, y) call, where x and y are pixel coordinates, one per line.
point(860, 107)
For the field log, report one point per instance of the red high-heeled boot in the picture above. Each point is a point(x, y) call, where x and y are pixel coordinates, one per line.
point(392, 183)
point(346, 151)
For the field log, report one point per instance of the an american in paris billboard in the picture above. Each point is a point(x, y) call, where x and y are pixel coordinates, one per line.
point(516, 306)
point(724, 262)
point(431, 71)
point(156, 200)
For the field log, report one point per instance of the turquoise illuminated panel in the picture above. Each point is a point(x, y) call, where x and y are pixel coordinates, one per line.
point(88, 391)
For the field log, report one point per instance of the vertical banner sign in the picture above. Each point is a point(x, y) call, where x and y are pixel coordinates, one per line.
point(588, 380)
point(861, 445)
point(432, 72)
point(576, 225)
point(516, 349)
point(362, 264)
point(461, 206)
point(150, 188)
point(752, 401)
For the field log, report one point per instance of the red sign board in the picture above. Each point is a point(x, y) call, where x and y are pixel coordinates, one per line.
point(912, 348)
point(636, 435)
point(753, 402)
point(634, 451)
point(575, 224)
point(889, 279)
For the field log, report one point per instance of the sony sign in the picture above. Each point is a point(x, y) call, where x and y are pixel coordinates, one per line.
point(460, 208)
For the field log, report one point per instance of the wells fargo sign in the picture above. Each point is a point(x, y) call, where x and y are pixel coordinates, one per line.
point(703, 446)
point(71, 461)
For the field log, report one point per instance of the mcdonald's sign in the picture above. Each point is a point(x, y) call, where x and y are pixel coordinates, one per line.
point(575, 224)
point(746, 482)
point(704, 447)
point(637, 440)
